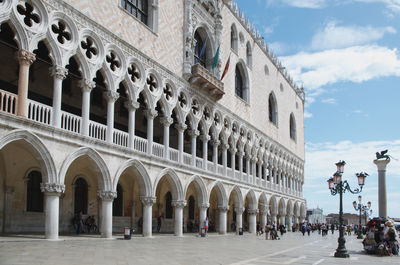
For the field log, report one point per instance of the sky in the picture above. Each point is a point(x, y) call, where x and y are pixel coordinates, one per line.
point(345, 54)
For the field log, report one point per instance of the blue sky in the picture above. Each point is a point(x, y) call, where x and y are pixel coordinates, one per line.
point(346, 55)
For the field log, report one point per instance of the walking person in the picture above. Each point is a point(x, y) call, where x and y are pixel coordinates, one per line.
point(159, 224)
point(79, 222)
point(267, 228)
point(332, 228)
point(206, 225)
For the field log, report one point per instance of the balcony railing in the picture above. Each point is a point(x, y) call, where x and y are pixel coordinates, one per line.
point(205, 80)
point(42, 113)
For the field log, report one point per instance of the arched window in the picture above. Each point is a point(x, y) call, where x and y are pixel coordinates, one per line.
point(272, 109)
point(249, 59)
point(118, 202)
point(234, 39)
point(199, 56)
point(34, 196)
point(292, 127)
point(191, 208)
point(81, 196)
point(168, 206)
point(238, 82)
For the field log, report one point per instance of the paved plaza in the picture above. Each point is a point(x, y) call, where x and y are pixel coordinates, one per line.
point(293, 248)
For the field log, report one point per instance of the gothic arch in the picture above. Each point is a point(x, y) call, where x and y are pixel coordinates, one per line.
point(221, 193)
point(144, 178)
point(39, 149)
point(253, 203)
point(238, 197)
point(173, 180)
point(105, 181)
point(201, 190)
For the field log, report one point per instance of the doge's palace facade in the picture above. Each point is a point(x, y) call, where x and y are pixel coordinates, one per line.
point(116, 108)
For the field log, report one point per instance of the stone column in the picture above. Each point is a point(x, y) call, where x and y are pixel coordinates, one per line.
point(193, 134)
point(205, 139)
point(25, 59)
point(259, 165)
point(247, 157)
point(59, 74)
point(253, 220)
point(107, 198)
point(52, 192)
point(111, 97)
point(273, 218)
point(178, 227)
point(132, 107)
point(240, 154)
point(381, 164)
point(222, 219)
point(215, 144)
point(181, 127)
point(202, 214)
point(289, 221)
point(133, 213)
point(166, 122)
point(147, 203)
point(86, 86)
point(282, 219)
point(224, 157)
point(233, 160)
point(263, 216)
point(253, 168)
point(150, 115)
point(239, 218)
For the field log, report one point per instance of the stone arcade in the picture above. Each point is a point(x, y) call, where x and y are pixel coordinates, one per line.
point(115, 108)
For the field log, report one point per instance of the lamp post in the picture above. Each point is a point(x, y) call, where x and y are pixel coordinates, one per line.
point(362, 208)
point(337, 185)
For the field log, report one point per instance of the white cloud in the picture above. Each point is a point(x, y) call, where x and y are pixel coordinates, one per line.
point(306, 3)
point(329, 101)
point(333, 36)
point(354, 64)
point(320, 165)
point(393, 6)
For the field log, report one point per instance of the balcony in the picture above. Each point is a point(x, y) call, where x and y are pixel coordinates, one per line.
point(207, 82)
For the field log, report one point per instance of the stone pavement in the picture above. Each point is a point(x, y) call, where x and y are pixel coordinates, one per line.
point(293, 248)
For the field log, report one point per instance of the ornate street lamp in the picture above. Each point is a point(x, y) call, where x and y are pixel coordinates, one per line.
point(336, 185)
point(363, 209)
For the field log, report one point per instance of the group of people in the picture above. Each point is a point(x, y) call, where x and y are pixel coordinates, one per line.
point(381, 238)
point(87, 226)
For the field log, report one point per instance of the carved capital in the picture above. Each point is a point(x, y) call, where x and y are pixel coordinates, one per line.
point(225, 147)
point(107, 195)
point(233, 150)
point(204, 205)
point(58, 72)
point(204, 138)
point(181, 127)
point(131, 105)
point(148, 201)
point(150, 113)
point(223, 208)
point(178, 204)
point(252, 211)
point(87, 85)
point(239, 210)
point(25, 57)
point(215, 143)
point(111, 96)
point(52, 188)
point(194, 133)
point(166, 121)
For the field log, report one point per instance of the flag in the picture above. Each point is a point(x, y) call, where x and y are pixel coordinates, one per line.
point(226, 67)
point(216, 57)
point(203, 49)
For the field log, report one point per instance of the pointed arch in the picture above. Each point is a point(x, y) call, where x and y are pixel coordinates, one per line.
point(201, 190)
point(40, 151)
point(105, 181)
point(253, 203)
point(273, 205)
point(143, 176)
point(173, 180)
point(238, 196)
point(221, 193)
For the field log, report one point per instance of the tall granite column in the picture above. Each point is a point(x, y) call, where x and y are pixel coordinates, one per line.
point(381, 164)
